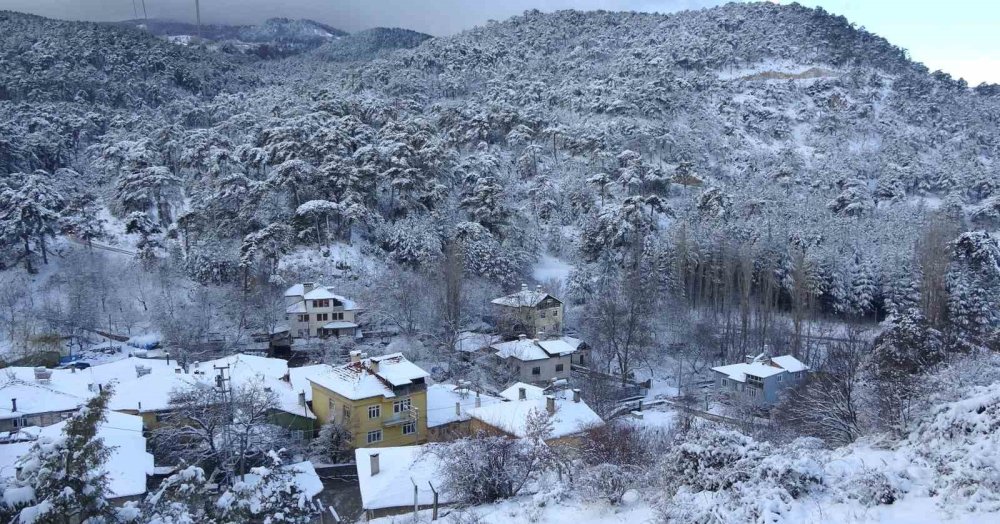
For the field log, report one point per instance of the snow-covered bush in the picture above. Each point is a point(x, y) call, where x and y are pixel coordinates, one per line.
point(872, 487)
point(608, 481)
point(489, 468)
point(961, 441)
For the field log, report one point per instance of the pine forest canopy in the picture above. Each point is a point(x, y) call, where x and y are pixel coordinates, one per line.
point(782, 135)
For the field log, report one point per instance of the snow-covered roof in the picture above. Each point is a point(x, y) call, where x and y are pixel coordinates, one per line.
point(572, 341)
point(469, 341)
point(527, 349)
point(298, 307)
point(570, 418)
point(127, 466)
point(399, 469)
point(319, 293)
point(358, 380)
point(299, 377)
point(441, 400)
point(761, 367)
point(340, 324)
point(790, 363)
point(141, 384)
point(530, 391)
point(523, 298)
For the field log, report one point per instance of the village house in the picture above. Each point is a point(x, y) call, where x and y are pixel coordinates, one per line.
point(316, 311)
point(534, 360)
point(568, 414)
point(448, 408)
point(127, 466)
point(761, 378)
point(143, 387)
point(381, 400)
point(387, 477)
point(529, 311)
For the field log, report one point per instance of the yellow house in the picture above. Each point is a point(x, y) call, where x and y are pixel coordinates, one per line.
point(382, 400)
point(534, 313)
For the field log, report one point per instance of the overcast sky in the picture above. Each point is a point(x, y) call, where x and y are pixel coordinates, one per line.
point(961, 37)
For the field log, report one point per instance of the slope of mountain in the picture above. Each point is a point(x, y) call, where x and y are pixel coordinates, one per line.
point(369, 44)
point(52, 60)
point(274, 38)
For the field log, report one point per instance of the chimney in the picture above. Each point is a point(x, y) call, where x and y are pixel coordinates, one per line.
point(100, 388)
point(140, 406)
point(373, 458)
point(550, 404)
point(373, 364)
point(458, 409)
point(522, 336)
point(167, 354)
point(522, 393)
point(576, 395)
point(479, 401)
point(524, 287)
point(307, 287)
point(538, 288)
point(13, 405)
point(302, 398)
point(355, 356)
point(72, 369)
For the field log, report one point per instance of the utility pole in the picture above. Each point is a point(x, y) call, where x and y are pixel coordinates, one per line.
point(197, 14)
point(144, 15)
point(224, 387)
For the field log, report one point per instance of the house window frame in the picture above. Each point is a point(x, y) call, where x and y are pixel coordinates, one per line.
point(560, 368)
point(374, 436)
point(536, 371)
point(402, 405)
point(412, 426)
point(303, 317)
point(376, 409)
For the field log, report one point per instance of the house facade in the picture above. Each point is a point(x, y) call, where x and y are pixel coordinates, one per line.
point(761, 378)
point(531, 312)
point(536, 361)
point(382, 400)
point(313, 310)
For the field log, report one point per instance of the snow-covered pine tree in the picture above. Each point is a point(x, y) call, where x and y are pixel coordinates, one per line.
point(63, 480)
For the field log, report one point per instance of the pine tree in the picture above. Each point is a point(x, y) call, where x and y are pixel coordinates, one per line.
point(65, 476)
point(29, 213)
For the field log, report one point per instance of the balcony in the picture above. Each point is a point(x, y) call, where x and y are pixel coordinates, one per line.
point(398, 419)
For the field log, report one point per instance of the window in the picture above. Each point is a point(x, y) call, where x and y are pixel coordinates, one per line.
point(401, 405)
point(555, 312)
point(753, 392)
point(321, 303)
point(322, 317)
point(337, 316)
point(331, 407)
point(304, 317)
point(346, 412)
point(542, 314)
point(559, 367)
point(725, 383)
point(375, 436)
point(374, 411)
point(536, 370)
point(781, 377)
point(409, 428)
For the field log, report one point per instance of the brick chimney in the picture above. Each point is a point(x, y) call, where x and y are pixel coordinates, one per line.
point(373, 461)
point(550, 404)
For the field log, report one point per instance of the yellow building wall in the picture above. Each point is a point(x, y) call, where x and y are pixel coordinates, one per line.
point(359, 424)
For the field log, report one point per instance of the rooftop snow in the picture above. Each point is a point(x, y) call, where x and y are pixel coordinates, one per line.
point(127, 467)
point(399, 469)
point(761, 368)
point(340, 324)
point(523, 298)
point(441, 399)
point(356, 380)
point(470, 342)
point(512, 417)
point(530, 391)
point(527, 349)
